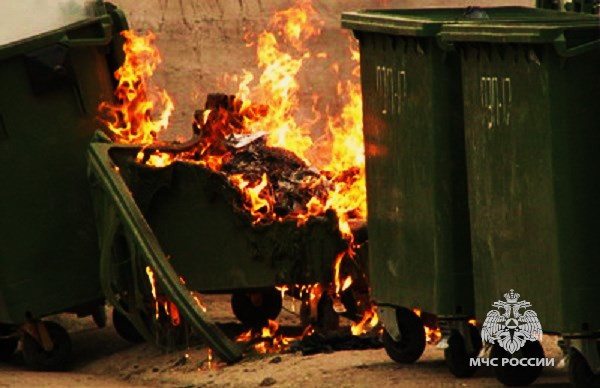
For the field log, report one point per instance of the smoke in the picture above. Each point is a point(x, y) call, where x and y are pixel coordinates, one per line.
point(22, 19)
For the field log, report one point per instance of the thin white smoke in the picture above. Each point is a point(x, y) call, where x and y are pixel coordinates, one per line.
point(22, 19)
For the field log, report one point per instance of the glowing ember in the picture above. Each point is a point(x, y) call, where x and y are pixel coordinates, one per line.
point(209, 358)
point(347, 283)
point(196, 297)
point(283, 290)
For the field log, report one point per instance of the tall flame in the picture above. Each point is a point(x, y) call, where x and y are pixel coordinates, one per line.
point(281, 53)
point(130, 119)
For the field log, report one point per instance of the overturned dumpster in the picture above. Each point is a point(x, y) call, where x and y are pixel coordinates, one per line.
point(168, 224)
point(224, 212)
point(184, 224)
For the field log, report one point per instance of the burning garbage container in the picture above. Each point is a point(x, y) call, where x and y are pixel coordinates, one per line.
point(226, 212)
point(416, 181)
point(531, 125)
point(185, 225)
point(55, 68)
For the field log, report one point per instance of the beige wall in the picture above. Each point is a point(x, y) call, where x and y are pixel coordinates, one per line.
point(201, 40)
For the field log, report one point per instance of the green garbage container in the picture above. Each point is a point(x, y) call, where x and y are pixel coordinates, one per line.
point(416, 180)
point(56, 66)
point(531, 92)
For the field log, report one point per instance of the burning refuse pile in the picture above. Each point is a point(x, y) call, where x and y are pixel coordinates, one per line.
point(142, 112)
point(262, 151)
point(288, 182)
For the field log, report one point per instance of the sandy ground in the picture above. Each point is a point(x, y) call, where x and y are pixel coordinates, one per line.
point(102, 359)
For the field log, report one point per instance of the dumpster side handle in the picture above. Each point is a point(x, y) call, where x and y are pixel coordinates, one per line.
point(105, 35)
point(560, 44)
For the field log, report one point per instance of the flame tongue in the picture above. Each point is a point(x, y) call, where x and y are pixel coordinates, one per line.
point(130, 119)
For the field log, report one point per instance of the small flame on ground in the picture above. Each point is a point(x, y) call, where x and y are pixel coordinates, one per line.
point(369, 320)
point(433, 335)
point(209, 358)
point(266, 340)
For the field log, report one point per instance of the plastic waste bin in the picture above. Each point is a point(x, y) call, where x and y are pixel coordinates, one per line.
point(56, 66)
point(531, 92)
point(416, 180)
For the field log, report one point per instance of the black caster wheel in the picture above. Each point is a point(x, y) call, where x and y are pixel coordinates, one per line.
point(56, 359)
point(412, 338)
point(8, 345)
point(99, 316)
point(518, 375)
point(125, 328)
point(580, 373)
point(327, 318)
point(456, 356)
point(349, 301)
point(254, 309)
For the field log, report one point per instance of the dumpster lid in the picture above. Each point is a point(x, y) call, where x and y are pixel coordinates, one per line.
point(29, 18)
point(567, 28)
point(429, 21)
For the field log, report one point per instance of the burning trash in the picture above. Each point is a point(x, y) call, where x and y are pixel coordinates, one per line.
point(251, 190)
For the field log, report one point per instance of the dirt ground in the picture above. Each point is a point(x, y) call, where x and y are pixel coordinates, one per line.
point(102, 359)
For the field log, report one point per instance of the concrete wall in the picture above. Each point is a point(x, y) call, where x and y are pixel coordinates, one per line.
point(202, 40)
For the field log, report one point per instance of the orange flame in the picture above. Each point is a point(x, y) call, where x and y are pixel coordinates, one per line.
point(267, 339)
point(369, 320)
point(258, 203)
point(433, 335)
point(130, 118)
point(281, 53)
point(152, 281)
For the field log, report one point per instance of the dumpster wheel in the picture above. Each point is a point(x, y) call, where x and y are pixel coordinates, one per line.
point(580, 373)
point(137, 315)
point(456, 355)
point(412, 338)
point(125, 328)
point(518, 375)
point(53, 360)
point(255, 309)
point(8, 344)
